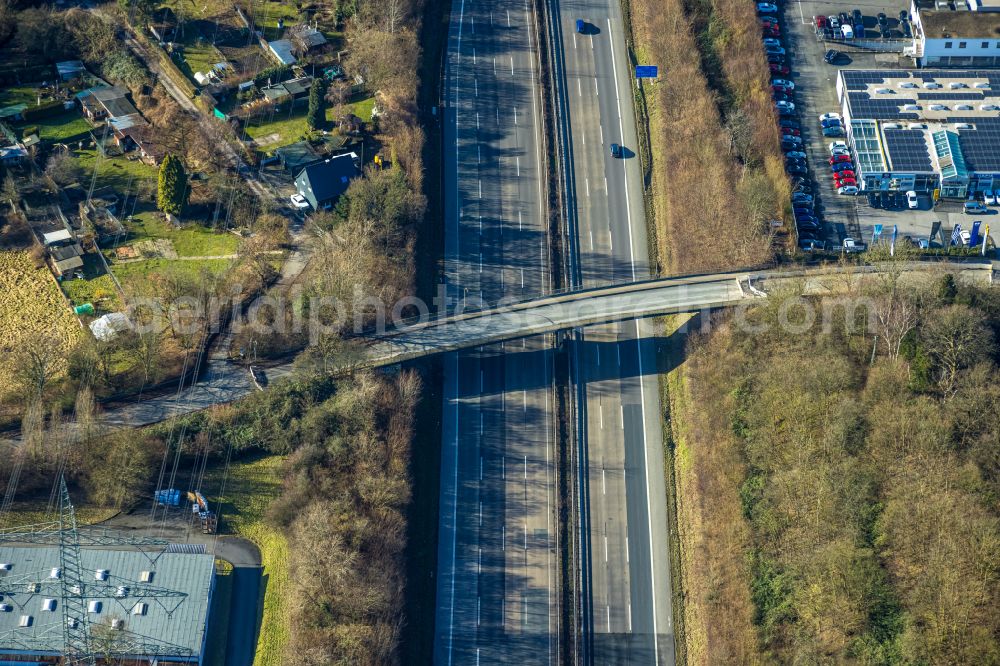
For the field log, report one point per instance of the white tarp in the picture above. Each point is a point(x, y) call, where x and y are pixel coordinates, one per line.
point(108, 326)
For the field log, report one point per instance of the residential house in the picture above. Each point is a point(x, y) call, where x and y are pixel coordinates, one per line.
point(322, 183)
point(102, 103)
point(945, 37)
point(306, 38)
point(281, 50)
point(142, 138)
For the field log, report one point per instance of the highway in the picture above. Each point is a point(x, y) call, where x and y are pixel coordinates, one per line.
point(623, 513)
point(497, 575)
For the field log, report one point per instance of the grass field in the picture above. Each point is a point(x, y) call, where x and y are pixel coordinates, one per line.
point(66, 127)
point(31, 307)
point(191, 240)
point(250, 488)
point(199, 56)
point(22, 94)
point(133, 274)
point(287, 128)
point(116, 172)
point(29, 513)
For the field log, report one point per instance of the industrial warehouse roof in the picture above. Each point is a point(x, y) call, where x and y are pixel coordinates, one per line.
point(177, 622)
point(896, 112)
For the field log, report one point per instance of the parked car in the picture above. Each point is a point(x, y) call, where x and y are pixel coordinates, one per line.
point(831, 57)
point(820, 21)
point(829, 116)
point(848, 189)
point(796, 154)
point(783, 82)
point(782, 97)
point(766, 8)
point(974, 207)
point(769, 23)
point(781, 89)
point(299, 202)
point(771, 32)
point(831, 122)
point(797, 169)
point(907, 30)
point(833, 22)
point(789, 131)
point(778, 69)
point(851, 245)
point(911, 200)
point(847, 182)
point(771, 49)
point(836, 147)
point(775, 59)
point(792, 139)
point(842, 166)
point(785, 107)
point(789, 122)
point(839, 158)
point(846, 174)
point(799, 198)
point(903, 16)
point(833, 131)
point(989, 198)
point(809, 245)
point(883, 20)
point(857, 16)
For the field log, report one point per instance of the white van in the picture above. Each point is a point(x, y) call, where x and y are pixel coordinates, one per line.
point(847, 31)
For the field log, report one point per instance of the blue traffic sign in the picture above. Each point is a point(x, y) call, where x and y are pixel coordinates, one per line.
point(645, 71)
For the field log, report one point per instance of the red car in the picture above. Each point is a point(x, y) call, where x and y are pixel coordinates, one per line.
point(847, 174)
point(781, 89)
point(840, 158)
point(790, 131)
point(768, 23)
point(773, 32)
point(821, 21)
point(779, 69)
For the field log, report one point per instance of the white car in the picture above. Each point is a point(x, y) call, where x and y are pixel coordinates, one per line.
point(966, 236)
point(911, 199)
point(837, 147)
point(990, 198)
point(847, 189)
point(829, 116)
point(767, 8)
point(299, 202)
point(851, 245)
point(787, 107)
point(784, 83)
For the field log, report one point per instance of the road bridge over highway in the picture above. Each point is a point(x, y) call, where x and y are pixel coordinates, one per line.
point(618, 303)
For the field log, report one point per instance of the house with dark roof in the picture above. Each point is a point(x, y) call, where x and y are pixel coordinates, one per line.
point(322, 183)
point(306, 38)
point(297, 156)
point(101, 103)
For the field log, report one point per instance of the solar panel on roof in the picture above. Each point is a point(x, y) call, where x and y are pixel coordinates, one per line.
point(966, 96)
point(907, 150)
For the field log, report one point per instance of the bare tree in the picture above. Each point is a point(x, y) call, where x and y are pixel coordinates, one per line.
point(956, 337)
point(36, 362)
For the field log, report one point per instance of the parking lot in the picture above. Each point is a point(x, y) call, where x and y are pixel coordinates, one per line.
point(815, 94)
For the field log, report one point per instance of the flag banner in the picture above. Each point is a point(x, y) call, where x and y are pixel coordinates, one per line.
point(956, 235)
point(974, 234)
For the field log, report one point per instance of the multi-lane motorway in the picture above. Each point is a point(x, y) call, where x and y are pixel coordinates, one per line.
point(626, 585)
point(497, 575)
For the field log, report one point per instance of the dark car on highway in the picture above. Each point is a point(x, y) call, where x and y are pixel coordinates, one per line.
point(616, 150)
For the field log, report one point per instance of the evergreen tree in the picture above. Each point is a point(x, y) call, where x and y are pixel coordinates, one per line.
point(315, 116)
point(171, 192)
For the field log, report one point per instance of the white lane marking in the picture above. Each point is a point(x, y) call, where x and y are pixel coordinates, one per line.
point(606, 185)
point(477, 121)
point(583, 138)
point(524, 393)
point(480, 468)
point(479, 154)
point(626, 549)
point(480, 381)
point(478, 615)
point(611, 239)
point(605, 547)
point(473, 55)
point(517, 161)
point(522, 278)
point(526, 467)
point(586, 181)
point(601, 127)
point(480, 225)
point(597, 90)
point(602, 417)
point(503, 468)
point(475, 84)
point(494, 65)
point(630, 616)
point(621, 409)
point(480, 262)
point(518, 220)
point(579, 88)
point(642, 390)
point(480, 189)
point(480, 561)
point(609, 619)
point(515, 115)
point(604, 490)
point(512, 65)
point(472, 19)
point(454, 508)
point(508, 18)
point(591, 239)
point(574, 40)
point(480, 514)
